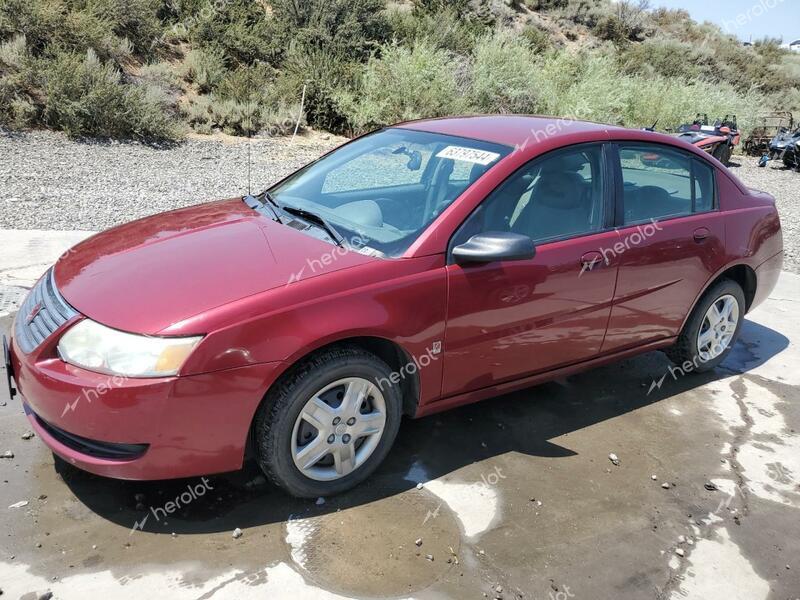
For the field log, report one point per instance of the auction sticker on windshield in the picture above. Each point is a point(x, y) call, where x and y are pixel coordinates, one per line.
point(481, 157)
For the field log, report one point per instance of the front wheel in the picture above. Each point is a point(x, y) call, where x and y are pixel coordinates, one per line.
point(712, 329)
point(329, 424)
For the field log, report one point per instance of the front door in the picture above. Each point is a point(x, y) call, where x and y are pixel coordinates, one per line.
point(507, 320)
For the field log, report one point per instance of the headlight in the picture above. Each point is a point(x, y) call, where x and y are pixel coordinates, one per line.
point(99, 348)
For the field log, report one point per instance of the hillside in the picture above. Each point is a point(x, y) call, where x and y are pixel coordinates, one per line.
point(157, 69)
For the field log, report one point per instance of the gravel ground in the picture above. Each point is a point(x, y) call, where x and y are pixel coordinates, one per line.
point(50, 182)
point(784, 184)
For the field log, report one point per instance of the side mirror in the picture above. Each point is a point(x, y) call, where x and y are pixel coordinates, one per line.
point(494, 246)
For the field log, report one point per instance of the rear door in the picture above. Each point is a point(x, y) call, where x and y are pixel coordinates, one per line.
point(671, 241)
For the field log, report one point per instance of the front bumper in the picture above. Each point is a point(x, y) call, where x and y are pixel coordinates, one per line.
point(140, 429)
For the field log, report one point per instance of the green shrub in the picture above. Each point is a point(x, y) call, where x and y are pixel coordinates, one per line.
point(204, 68)
point(134, 20)
point(625, 21)
point(437, 6)
point(404, 83)
point(350, 29)
point(323, 74)
point(40, 21)
point(444, 29)
point(246, 83)
point(115, 29)
point(546, 4)
point(501, 77)
point(582, 12)
point(667, 57)
point(590, 86)
point(17, 109)
point(85, 96)
point(14, 53)
point(162, 75)
point(475, 13)
point(207, 114)
point(538, 39)
point(242, 29)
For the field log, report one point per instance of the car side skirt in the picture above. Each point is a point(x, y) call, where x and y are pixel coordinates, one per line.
point(539, 378)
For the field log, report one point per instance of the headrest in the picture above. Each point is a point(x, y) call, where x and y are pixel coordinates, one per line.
point(563, 190)
point(363, 212)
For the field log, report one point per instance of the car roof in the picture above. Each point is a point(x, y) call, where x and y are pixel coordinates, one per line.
point(509, 130)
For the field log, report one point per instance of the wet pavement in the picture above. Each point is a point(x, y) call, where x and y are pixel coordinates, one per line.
point(518, 499)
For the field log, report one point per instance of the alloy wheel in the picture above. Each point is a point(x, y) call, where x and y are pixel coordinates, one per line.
point(718, 327)
point(338, 429)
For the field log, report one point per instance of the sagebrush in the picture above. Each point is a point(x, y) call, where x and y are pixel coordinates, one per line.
point(154, 68)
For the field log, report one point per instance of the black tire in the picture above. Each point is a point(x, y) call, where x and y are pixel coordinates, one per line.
point(685, 351)
point(282, 405)
point(723, 154)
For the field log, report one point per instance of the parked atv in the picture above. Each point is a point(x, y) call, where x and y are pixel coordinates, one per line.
point(718, 139)
point(768, 126)
point(785, 146)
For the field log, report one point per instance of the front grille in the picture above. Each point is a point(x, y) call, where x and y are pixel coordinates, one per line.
point(53, 312)
point(108, 450)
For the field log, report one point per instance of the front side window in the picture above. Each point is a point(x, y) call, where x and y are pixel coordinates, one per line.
point(660, 183)
point(554, 197)
point(384, 189)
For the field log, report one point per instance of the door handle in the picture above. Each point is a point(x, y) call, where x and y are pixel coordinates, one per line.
point(592, 260)
point(701, 234)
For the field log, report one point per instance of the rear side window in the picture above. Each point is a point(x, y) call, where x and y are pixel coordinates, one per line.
point(704, 188)
point(661, 183)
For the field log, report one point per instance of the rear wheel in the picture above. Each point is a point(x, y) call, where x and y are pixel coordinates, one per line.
point(712, 328)
point(329, 424)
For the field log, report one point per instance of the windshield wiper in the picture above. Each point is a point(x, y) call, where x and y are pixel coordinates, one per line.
point(273, 206)
point(316, 219)
point(256, 202)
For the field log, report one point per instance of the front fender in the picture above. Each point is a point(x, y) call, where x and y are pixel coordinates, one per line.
point(403, 301)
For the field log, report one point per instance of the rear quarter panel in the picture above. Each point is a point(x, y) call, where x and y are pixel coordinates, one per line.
point(753, 234)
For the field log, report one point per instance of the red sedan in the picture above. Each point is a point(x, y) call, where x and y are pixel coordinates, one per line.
point(412, 270)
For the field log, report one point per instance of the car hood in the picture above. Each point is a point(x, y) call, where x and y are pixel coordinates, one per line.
point(149, 274)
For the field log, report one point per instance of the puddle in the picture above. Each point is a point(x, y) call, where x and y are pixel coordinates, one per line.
point(153, 581)
point(371, 550)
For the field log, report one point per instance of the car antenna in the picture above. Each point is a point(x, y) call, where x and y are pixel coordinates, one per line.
point(249, 123)
point(249, 136)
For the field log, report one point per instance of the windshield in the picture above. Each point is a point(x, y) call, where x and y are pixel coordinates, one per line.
point(381, 191)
